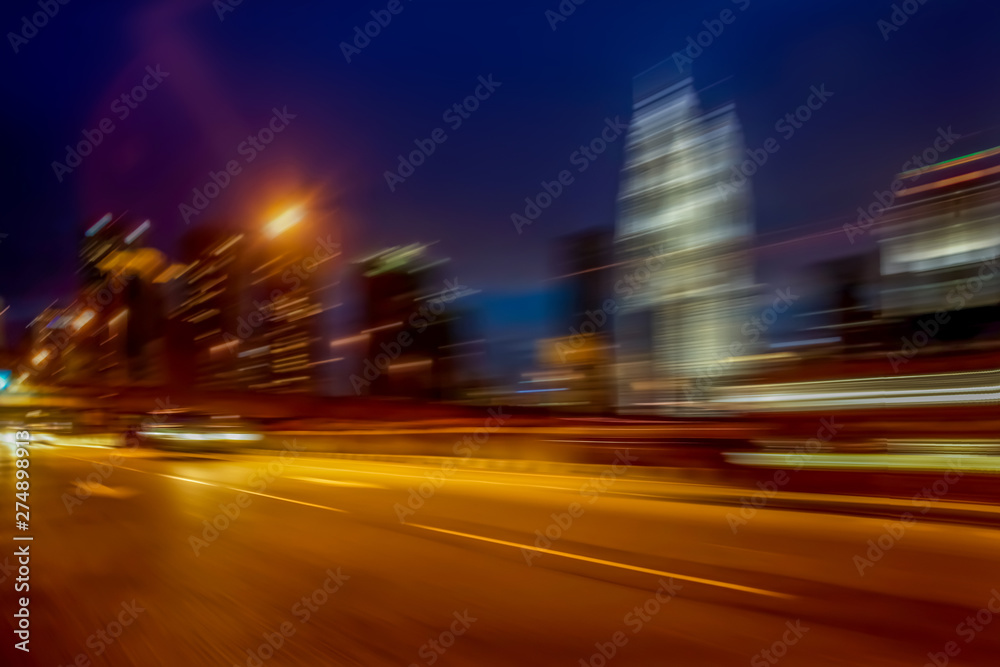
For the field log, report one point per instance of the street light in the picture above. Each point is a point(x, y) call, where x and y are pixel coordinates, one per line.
point(284, 222)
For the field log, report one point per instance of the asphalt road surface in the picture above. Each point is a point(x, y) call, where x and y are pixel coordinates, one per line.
point(298, 559)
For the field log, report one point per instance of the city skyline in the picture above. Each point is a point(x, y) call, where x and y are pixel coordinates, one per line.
point(531, 332)
point(474, 181)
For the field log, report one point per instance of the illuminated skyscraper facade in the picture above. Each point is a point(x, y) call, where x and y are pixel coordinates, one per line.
point(940, 241)
point(682, 236)
point(205, 327)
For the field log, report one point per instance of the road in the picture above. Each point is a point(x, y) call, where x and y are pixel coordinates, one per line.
point(355, 560)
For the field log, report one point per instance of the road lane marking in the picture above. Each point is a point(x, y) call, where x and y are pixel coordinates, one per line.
point(233, 488)
point(338, 482)
point(160, 474)
point(609, 563)
point(289, 500)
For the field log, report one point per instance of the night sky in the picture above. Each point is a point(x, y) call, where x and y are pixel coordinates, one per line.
point(557, 87)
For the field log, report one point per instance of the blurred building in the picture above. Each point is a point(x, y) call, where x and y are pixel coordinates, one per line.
point(837, 311)
point(102, 237)
point(683, 234)
point(204, 323)
point(584, 264)
point(249, 313)
point(578, 363)
point(111, 333)
point(939, 245)
point(411, 319)
point(281, 342)
point(134, 278)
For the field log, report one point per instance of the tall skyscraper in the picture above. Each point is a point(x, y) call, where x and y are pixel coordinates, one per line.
point(204, 324)
point(682, 236)
point(411, 319)
point(289, 288)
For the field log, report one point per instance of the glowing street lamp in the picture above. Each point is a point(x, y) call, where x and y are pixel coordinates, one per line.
point(284, 222)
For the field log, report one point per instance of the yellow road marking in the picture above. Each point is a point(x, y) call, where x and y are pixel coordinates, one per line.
point(609, 563)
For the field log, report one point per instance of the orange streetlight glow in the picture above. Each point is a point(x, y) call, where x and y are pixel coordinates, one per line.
point(284, 222)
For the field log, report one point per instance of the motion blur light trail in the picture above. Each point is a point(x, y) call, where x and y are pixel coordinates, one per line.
point(969, 388)
point(889, 462)
point(739, 346)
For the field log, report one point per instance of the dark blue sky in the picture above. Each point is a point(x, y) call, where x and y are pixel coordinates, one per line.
point(353, 119)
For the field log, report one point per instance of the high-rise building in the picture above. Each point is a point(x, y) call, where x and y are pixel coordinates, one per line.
point(204, 329)
point(128, 306)
point(939, 244)
point(249, 315)
point(410, 320)
point(683, 234)
point(288, 288)
point(111, 333)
